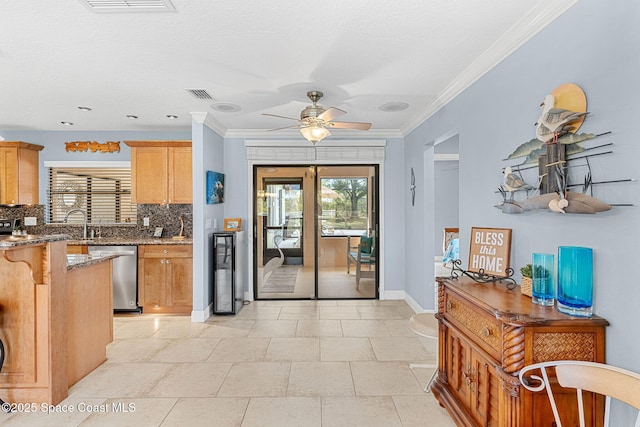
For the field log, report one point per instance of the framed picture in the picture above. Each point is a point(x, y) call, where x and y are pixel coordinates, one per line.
point(232, 224)
point(215, 187)
point(158, 232)
point(490, 251)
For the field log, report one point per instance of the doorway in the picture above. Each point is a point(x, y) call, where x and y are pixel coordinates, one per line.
point(316, 232)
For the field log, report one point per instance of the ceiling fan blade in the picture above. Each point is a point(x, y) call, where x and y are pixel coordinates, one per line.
point(281, 117)
point(331, 113)
point(350, 125)
point(286, 127)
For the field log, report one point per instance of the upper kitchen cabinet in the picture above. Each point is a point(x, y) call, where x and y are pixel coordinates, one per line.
point(19, 173)
point(161, 172)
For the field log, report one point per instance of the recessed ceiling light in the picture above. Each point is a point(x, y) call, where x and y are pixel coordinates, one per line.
point(67, 123)
point(172, 116)
point(131, 116)
point(84, 109)
point(225, 107)
point(393, 106)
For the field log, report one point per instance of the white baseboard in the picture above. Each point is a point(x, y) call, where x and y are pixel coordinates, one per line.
point(392, 295)
point(415, 306)
point(200, 316)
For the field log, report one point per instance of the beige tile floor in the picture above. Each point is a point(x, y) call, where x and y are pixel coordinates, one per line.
point(276, 363)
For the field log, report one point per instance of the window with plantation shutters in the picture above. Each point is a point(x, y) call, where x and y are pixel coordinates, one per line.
point(104, 193)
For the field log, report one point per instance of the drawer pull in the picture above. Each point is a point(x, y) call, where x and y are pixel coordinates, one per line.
point(485, 332)
point(449, 305)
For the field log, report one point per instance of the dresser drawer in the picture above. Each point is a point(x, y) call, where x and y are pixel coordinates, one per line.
point(165, 251)
point(481, 327)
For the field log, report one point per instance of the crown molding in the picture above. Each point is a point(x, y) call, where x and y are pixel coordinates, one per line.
point(208, 120)
point(521, 32)
point(323, 143)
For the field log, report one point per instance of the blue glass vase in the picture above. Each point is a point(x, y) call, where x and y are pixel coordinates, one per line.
point(543, 290)
point(575, 280)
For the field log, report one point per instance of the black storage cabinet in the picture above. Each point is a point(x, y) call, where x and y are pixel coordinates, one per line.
point(228, 291)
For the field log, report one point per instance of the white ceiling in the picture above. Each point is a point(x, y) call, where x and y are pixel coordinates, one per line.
point(260, 55)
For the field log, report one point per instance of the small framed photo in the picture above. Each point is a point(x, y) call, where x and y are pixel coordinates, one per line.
point(158, 232)
point(232, 224)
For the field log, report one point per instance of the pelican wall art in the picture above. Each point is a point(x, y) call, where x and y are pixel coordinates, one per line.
point(546, 160)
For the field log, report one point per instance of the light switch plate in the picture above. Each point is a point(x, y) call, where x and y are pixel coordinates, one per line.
point(30, 220)
point(207, 223)
point(145, 221)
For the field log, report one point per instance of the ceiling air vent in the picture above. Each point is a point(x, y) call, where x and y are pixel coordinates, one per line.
point(199, 93)
point(129, 5)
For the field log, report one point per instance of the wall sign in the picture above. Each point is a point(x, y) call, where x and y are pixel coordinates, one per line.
point(490, 251)
point(93, 146)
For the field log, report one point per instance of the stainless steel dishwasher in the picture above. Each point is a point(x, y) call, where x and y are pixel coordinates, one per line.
point(125, 275)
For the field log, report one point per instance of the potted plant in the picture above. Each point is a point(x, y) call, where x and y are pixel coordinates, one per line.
point(527, 274)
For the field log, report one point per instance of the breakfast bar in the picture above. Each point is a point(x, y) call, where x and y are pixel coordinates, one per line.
point(56, 317)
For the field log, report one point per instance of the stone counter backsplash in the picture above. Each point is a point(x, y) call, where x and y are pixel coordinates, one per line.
point(167, 217)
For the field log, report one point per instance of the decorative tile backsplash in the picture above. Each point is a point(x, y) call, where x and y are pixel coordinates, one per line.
point(167, 216)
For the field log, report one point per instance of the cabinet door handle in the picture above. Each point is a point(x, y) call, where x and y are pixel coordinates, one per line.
point(469, 378)
point(167, 261)
point(164, 251)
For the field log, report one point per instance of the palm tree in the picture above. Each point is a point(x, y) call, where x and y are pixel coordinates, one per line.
point(352, 190)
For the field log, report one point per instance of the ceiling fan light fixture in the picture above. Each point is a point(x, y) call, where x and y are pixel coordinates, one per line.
point(314, 134)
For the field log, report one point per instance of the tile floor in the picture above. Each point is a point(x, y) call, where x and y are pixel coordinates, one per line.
point(277, 363)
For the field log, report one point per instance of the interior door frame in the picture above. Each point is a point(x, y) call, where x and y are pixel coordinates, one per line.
point(299, 152)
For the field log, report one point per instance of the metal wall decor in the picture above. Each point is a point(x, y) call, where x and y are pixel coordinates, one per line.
point(93, 146)
point(564, 181)
point(412, 187)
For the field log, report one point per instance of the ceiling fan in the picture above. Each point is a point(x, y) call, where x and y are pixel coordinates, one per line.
point(315, 121)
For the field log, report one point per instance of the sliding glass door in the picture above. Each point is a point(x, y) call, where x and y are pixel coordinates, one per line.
point(346, 232)
point(315, 232)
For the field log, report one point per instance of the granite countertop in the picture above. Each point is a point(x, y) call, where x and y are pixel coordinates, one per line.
point(129, 241)
point(83, 260)
point(30, 239)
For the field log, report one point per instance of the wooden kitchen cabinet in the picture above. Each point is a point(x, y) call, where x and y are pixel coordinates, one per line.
point(487, 333)
point(161, 172)
point(165, 278)
point(19, 173)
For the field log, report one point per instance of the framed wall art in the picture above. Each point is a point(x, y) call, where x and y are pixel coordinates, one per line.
point(215, 187)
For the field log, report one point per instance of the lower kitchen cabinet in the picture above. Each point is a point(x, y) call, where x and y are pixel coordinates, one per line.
point(165, 278)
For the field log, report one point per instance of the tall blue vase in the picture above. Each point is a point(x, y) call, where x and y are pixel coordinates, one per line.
point(575, 280)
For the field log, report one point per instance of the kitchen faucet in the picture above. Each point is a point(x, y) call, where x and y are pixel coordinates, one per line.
point(84, 214)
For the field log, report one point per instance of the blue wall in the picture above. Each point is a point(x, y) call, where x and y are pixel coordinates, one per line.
point(594, 45)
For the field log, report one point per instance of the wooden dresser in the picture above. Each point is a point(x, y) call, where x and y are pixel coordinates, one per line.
point(487, 333)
